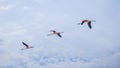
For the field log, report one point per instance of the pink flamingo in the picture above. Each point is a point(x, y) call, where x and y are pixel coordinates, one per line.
point(88, 23)
point(55, 33)
point(26, 45)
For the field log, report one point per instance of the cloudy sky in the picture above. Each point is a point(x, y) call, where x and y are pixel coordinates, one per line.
point(31, 20)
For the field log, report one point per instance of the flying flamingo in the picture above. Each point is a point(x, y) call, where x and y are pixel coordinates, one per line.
point(88, 23)
point(26, 45)
point(55, 33)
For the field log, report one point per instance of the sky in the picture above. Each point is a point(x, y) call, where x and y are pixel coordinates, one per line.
point(80, 47)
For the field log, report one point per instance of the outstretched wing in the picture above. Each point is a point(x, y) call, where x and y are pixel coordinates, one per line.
point(27, 48)
point(83, 22)
point(25, 45)
point(89, 25)
point(59, 35)
point(50, 34)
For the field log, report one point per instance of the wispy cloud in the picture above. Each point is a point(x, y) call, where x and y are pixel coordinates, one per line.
point(5, 8)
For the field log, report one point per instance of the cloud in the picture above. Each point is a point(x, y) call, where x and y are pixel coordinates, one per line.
point(39, 59)
point(79, 47)
point(11, 29)
point(5, 8)
point(109, 61)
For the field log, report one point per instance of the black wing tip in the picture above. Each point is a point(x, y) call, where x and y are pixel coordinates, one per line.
point(90, 28)
point(22, 42)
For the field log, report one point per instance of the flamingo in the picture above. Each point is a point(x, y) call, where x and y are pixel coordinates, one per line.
point(55, 33)
point(26, 45)
point(88, 23)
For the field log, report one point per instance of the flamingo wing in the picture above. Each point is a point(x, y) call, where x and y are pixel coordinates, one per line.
point(27, 46)
point(89, 25)
point(83, 22)
point(59, 35)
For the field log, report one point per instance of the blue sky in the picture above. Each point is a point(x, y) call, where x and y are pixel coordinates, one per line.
point(80, 47)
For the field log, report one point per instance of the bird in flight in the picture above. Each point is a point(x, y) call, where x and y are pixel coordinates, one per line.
point(55, 33)
point(88, 23)
point(26, 45)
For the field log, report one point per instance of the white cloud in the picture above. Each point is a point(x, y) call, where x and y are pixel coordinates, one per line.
point(79, 47)
point(8, 7)
point(107, 62)
point(11, 30)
